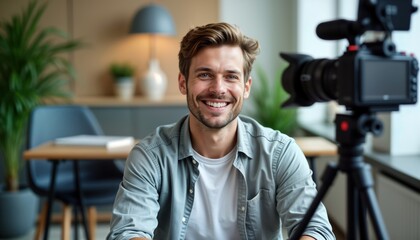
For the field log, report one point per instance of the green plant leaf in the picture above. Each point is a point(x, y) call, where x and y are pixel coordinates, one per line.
point(119, 70)
point(266, 98)
point(33, 67)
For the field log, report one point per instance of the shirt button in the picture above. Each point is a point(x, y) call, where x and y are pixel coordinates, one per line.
point(191, 191)
point(184, 219)
point(243, 209)
point(194, 162)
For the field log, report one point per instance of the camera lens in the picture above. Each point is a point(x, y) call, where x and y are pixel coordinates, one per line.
point(318, 79)
point(309, 80)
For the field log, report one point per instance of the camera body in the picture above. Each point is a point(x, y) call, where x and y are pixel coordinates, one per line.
point(375, 81)
point(357, 79)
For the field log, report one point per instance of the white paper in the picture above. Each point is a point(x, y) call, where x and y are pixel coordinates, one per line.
point(96, 140)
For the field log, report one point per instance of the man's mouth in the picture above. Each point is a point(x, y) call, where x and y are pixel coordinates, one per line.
point(216, 104)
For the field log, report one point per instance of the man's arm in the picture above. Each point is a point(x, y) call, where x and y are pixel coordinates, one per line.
point(135, 207)
point(295, 194)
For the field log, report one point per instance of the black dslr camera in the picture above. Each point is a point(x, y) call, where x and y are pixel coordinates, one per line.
point(370, 76)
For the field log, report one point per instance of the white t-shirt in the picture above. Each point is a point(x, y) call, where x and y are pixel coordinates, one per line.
point(213, 214)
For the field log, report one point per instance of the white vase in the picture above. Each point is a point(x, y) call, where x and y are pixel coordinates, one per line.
point(124, 88)
point(154, 81)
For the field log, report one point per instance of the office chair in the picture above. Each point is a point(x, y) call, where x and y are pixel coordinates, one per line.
point(99, 180)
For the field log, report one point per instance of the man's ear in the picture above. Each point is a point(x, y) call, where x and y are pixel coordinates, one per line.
point(182, 84)
point(247, 90)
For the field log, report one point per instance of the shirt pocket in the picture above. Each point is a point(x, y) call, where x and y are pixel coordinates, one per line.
point(262, 220)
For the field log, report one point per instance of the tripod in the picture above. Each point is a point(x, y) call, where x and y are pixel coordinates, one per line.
point(351, 130)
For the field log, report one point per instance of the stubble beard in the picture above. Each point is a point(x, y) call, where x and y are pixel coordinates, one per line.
point(197, 113)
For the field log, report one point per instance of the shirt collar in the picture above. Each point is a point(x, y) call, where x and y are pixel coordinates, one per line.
point(244, 142)
point(185, 145)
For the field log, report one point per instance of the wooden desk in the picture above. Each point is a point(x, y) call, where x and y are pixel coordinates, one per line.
point(57, 153)
point(51, 151)
point(314, 147)
point(311, 147)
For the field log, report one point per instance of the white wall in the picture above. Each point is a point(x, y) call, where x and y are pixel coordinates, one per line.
point(272, 23)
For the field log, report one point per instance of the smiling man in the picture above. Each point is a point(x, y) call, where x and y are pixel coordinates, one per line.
point(215, 174)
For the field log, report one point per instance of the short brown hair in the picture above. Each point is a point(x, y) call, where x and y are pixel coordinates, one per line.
point(212, 35)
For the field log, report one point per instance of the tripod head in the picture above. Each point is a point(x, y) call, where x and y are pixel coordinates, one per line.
point(351, 129)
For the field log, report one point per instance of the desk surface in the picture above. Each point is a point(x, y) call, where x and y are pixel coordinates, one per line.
point(52, 151)
point(311, 146)
point(316, 146)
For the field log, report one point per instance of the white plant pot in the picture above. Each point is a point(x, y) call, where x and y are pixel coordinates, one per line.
point(154, 82)
point(124, 88)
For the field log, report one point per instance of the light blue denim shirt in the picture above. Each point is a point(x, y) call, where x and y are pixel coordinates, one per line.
point(156, 195)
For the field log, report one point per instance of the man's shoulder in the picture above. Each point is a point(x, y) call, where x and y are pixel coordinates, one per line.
point(254, 138)
point(254, 129)
point(164, 135)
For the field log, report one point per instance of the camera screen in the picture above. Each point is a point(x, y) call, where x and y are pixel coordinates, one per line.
point(384, 80)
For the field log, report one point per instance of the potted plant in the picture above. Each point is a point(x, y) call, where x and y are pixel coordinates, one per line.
point(32, 68)
point(123, 73)
point(266, 98)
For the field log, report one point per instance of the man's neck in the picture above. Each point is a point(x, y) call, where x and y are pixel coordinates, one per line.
point(213, 143)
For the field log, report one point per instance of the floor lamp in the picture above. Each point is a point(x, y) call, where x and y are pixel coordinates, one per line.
point(153, 20)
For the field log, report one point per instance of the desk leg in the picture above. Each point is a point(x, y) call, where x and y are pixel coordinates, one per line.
point(76, 223)
point(80, 197)
point(50, 197)
point(313, 167)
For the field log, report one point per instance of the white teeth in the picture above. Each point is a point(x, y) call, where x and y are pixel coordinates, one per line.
point(217, 104)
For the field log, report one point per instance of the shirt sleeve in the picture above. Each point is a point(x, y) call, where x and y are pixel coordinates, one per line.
point(136, 204)
point(295, 193)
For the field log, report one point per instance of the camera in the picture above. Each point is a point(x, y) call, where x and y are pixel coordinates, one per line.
point(371, 76)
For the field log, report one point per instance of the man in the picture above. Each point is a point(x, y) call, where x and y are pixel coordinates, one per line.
point(213, 174)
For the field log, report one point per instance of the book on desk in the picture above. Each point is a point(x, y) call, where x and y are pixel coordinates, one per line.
point(95, 141)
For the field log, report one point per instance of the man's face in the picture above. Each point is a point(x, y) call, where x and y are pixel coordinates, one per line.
point(216, 87)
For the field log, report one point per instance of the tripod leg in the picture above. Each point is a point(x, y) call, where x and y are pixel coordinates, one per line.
point(327, 180)
point(352, 206)
point(362, 220)
point(364, 181)
point(356, 212)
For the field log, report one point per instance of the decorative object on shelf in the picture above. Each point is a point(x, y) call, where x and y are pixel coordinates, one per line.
point(153, 20)
point(33, 69)
point(123, 75)
point(266, 98)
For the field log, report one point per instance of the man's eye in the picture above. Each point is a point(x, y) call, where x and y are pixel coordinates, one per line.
point(204, 75)
point(232, 77)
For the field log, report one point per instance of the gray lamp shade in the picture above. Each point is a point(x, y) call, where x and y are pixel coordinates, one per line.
point(153, 19)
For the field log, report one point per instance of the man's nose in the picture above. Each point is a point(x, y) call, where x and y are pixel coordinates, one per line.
point(218, 85)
